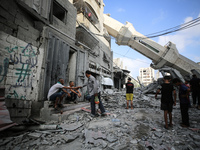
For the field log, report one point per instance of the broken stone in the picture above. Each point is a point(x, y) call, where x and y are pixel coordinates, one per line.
point(117, 124)
point(94, 137)
point(111, 138)
point(36, 142)
point(17, 148)
point(71, 127)
point(18, 139)
point(34, 135)
point(104, 144)
point(134, 141)
point(158, 134)
point(45, 142)
point(6, 141)
point(195, 137)
point(68, 138)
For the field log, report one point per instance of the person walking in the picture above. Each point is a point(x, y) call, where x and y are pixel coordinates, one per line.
point(195, 89)
point(129, 93)
point(184, 101)
point(167, 101)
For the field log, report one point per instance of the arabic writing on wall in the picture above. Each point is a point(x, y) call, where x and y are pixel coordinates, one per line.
point(25, 60)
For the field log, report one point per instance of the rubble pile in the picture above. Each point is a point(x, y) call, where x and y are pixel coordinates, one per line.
point(140, 128)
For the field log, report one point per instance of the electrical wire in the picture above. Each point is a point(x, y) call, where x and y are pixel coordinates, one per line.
point(131, 58)
point(187, 25)
point(184, 26)
point(173, 27)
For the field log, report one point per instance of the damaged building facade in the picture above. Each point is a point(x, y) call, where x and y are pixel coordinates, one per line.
point(42, 41)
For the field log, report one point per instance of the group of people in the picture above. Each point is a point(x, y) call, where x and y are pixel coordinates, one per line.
point(168, 98)
point(58, 91)
point(168, 95)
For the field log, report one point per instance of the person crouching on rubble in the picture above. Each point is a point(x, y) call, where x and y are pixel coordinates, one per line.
point(167, 90)
point(72, 94)
point(57, 92)
point(129, 93)
point(184, 101)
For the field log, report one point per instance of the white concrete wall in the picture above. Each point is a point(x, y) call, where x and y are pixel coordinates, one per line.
point(22, 74)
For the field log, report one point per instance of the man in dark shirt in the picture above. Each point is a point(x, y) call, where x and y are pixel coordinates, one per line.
point(195, 88)
point(184, 101)
point(167, 101)
point(129, 93)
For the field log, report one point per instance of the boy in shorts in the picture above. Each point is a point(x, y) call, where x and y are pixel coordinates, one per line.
point(129, 93)
point(167, 90)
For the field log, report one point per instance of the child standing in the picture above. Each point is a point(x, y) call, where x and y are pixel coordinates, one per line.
point(129, 93)
point(167, 101)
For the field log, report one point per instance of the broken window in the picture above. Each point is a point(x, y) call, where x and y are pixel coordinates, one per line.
point(88, 12)
point(98, 2)
point(59, 12)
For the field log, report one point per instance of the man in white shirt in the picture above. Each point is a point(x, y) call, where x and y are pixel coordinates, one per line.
point(57, 92)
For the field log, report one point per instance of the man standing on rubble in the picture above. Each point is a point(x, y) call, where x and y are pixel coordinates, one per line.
point(92, 89)
point(167, 101)
point(184, 101)
point(129, 93)
point(195, 88)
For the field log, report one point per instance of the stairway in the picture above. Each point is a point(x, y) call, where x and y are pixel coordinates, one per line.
point(5, 121)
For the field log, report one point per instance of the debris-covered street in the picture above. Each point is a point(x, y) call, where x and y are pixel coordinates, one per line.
point(140, 128)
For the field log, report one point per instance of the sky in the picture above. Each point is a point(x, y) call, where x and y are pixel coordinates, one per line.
point(150, 16)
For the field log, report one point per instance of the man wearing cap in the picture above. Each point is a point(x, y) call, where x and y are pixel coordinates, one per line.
point(129, 93)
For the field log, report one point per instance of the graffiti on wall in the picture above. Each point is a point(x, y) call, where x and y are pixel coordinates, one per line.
point(25, 59)
point(15, 95)
point(26, 56)
point(4, 69)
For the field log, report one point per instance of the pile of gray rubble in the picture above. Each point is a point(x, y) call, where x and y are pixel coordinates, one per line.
point(123, 129)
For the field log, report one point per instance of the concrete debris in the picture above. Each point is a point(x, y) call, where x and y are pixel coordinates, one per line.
point(71, 127)
point(140, 128)
point(68, 138)
point(35, 135)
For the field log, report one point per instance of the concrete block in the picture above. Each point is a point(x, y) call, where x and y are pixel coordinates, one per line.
point(33, 31)
point(68, 138)
point(20, 104)
point(46, 104)
point(71, 127)
point(23, 31)
point(10, 103)
point(45, 114)
point(27, 104)
point(21, 24)
point(19, 16)
point(6, 15)
point(12, 111)
point(10, 39)
point(35, 135)
point(6, 28)
point(20, 112)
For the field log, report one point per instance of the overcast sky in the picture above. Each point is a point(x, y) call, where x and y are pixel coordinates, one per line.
point(150, 16)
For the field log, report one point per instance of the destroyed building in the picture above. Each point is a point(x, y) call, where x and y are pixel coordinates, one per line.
point(41, 41)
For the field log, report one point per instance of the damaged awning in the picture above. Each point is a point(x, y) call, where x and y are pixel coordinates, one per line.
point(107, 81)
